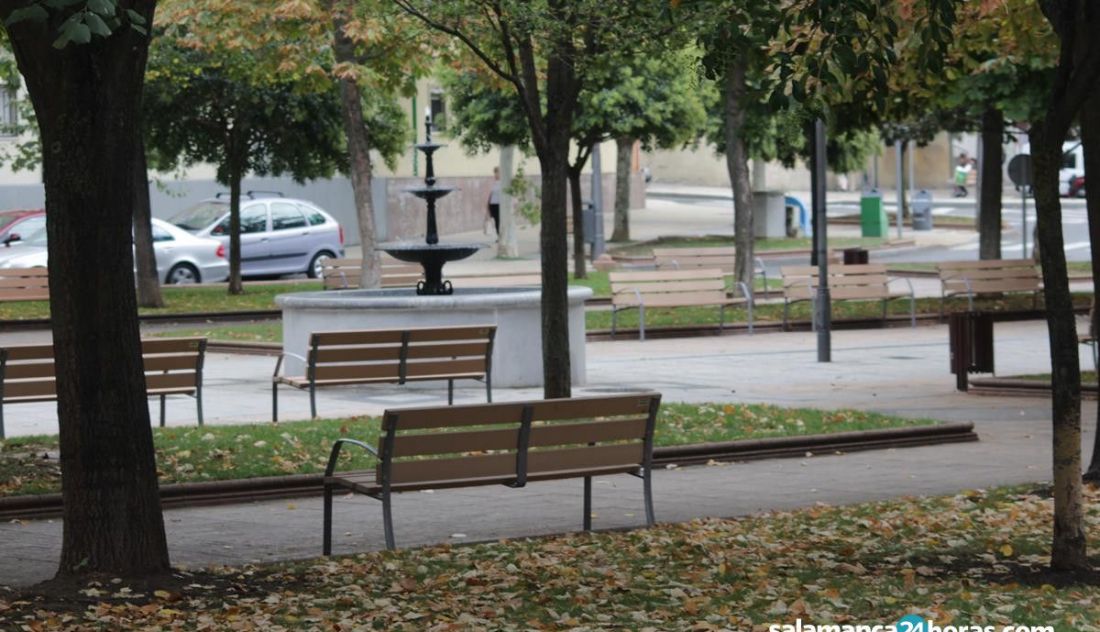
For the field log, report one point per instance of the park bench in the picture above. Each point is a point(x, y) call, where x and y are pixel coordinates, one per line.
point(700, 287)
point(173, 366)
point(507, 444)
point(720, 257)
point(24, 284)
point(343, 274)
point(846, 283)
point(989, 276)
point(395, 356)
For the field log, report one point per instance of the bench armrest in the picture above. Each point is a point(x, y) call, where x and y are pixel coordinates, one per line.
point(279, 362)
point(907, 282)
point(336, 447)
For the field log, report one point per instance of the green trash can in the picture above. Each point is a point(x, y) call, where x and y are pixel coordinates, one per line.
point(872, 214)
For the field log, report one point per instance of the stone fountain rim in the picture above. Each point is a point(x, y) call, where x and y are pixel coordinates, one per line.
point(465, 298)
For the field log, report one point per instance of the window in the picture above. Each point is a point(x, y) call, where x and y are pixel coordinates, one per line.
point(1069, 161)
point(285, 216)
point(315, 217)
point(439, 110)
point(253, 220)
point(9, 111)
point(159, 234)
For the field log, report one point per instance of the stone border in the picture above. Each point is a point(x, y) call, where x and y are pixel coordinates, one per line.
point(1007, 386)
point(176, 495)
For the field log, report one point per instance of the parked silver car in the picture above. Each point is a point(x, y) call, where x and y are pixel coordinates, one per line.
point(181, 257)
point(279, 235)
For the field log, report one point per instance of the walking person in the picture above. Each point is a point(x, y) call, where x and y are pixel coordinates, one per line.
point(494, 201)
point(962, 173)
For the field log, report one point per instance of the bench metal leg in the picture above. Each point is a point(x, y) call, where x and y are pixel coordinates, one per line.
point(721, 318)
point(489, 387)
point(614, 321)
point(162, 411)
point(198, 404)
point(312, 401)
point(2, 421)
point(274, 401)
point(647, 492)
point(326, 537)
point(450, 392)
point(641, 322)
point(387, 520)
point(884, 311)
point(587, 503)
point(786, 313)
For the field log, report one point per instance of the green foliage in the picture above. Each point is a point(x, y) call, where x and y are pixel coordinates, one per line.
point(389, 132)
point(525, 195)
point(484, 112)
point(205, 107)
point(78, 24)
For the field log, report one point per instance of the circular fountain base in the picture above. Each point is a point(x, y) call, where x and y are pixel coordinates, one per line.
point(517, 351)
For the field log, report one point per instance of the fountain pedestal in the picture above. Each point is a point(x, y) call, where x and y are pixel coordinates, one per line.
point(517, 350)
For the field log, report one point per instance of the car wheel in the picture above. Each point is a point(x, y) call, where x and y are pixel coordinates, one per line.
point(316, 266)
point(183, 274)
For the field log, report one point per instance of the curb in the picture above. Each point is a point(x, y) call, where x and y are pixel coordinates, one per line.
point(179, 495)
point(1007, 386)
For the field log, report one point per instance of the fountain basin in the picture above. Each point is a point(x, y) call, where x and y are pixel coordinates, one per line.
point(517, 350)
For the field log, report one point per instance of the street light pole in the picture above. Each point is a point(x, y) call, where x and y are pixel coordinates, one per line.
point(822, 302)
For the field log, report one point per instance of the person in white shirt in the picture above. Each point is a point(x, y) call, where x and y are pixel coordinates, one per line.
point(494, 200)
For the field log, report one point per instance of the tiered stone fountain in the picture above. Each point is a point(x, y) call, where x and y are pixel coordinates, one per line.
point(517, 352)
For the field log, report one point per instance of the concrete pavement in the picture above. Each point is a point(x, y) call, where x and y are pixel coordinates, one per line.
point(898, 371)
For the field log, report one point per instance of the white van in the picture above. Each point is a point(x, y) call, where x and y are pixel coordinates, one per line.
point(1071, 181)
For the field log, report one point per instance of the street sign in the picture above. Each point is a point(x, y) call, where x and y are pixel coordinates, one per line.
point(1019, 170)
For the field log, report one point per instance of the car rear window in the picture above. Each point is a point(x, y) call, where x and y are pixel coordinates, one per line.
point(199, 216)
point(285, 215)
point(315, 217)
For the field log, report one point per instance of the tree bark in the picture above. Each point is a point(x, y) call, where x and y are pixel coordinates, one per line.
point(1069, 549)
point(577, 205)
point(624, 146)
point(148, 278)
point(86, 98)
point(236, 173)
point(556, 367)
point(507, 241)
point(737, 164)
point(359, 160)
point(1090, 141)
point(991, 184)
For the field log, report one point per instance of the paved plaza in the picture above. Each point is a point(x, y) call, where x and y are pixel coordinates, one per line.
point(901, 371)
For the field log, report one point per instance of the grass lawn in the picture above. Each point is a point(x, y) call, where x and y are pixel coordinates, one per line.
point(646, 247)
point(764, 313)
point(972, 559)
point(186, 299)
point(187, 454)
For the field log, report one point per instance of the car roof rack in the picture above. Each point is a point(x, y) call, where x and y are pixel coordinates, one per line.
point(255, 194)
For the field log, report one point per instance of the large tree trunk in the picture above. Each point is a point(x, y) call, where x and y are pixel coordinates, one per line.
point(507, 240)
point(1069, 547)
point(148, 279)
point(737, 163)
point(577, 204)
point(1090, 141)
point(624, 146)
point(86, 98)
point(556, 371)
point(992, 184)
point(359, 161)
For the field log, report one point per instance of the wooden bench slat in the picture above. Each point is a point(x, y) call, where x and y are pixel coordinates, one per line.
point(985, 263)
point(170, 380)
point(8, 281)
point(354, 337)
point(696, 252)
point(463, 415)
point(663, 275)
point(171, 362)
point(24, 295)
point(480, 466)
point(172, 345)
point(447, 349)
point(331, 372)
point(1002, 285)
point(435, 334)
point(627, 454)
point(29, 352)
point(589, 407)
point(25, 370)
point(505, 439)
point(664, 287)
point(993, 274)
point(30, 388)
point(443, 368)
point(693, 299)
point(332, 355)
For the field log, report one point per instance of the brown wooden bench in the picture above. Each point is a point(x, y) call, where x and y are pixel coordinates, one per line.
point(395, 356)
point(506, 444)
point(710, 257)
point(846, 283)
point(343, 274)
point(989, 276)
point(24, 284)
point(673, 288)
point(173, 366)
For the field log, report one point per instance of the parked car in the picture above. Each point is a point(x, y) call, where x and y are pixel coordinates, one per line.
point(15, 225)
point(181, 257)
point(1077, 186)
point(279, 235)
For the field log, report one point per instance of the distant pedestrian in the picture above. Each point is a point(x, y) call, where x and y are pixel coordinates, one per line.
point(962, 173)
point(494, 200)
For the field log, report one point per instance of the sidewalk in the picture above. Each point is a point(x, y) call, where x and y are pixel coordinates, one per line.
point(892, 371)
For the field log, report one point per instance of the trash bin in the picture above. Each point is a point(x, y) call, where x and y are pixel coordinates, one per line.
point(970, 336)
point(922, 210)
point(855, 256)
point(588, 222)
point(872, 214)
point(795, 205)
